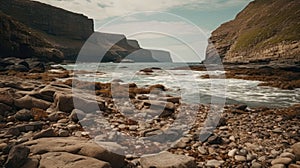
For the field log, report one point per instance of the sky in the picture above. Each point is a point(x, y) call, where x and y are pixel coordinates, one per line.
point(180, 27)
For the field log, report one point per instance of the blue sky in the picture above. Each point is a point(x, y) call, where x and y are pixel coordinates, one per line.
point(180, 27)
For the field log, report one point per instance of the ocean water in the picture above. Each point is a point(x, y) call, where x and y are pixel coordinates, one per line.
point(188, 84)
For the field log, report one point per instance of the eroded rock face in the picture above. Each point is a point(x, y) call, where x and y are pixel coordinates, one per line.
point(263, 32)
point(49, 19)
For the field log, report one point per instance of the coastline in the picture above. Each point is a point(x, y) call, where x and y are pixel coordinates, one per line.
point(37, 109)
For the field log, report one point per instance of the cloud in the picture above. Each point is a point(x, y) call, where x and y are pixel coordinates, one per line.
point(103, 9)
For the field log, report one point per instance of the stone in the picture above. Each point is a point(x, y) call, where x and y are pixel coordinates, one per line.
point(215, 139)
point(29, 102)
point(80, 146)
point(63, 133)
point(24, 115)
point(202, 150)
point(2, 146)
point(17, 156)
point(214, 163)
point(256, 165)
point(242, 107)
point(294, 166)
point(96, 151)
point(278, 166)
point(288, 155)
point(277, 130)
point(296, 151)
point(6, 96)
point(232, 152)
point(170, 99)
point(67, 102)
point(68, 160)
point(167, 160)
point(240, 158)
point(32, 126)
point(45, 133)
point(4, 108)
point(282, 160)
point(31, 162)
point(77, 115)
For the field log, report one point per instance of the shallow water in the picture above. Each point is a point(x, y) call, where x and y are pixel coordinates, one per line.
point(189, 85)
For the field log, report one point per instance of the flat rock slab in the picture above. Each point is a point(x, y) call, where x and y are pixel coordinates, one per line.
point(74, 145)
point(167, 160)
point(67, 160)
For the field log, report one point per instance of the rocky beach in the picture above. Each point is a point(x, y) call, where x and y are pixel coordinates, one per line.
point(54, 116)
point(40, 124)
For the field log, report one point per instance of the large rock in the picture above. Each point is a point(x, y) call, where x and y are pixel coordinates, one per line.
point(67, 160)
point(29, 102)
point(296, 150)
point(74, 145)
point(24, 115)
point(167, 160)
point(67, 102)
point(17, 156)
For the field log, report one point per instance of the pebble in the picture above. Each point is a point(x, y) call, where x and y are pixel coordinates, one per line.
point(256, 165)
point(288, 155)
point(277, 130)
point(232, 152)
point(214, 163)
point(202, 150)
point(282, 160)
point(240, 158)
point(63, 133)
point(278, 166)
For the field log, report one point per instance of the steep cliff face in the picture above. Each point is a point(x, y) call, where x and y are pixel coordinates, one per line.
point(20, 41)
point(266, 30)
point(60, 34)
point(49, 19)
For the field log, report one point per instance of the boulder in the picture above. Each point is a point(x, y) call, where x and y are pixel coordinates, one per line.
point(80, 146)
point(29, 102)
point(167, 160)
point(67, 102)
point(296, 150)
point(24, 115)
point(68, 160)
point(17, 156)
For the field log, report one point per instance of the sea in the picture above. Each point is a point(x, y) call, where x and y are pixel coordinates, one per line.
point(188, 84)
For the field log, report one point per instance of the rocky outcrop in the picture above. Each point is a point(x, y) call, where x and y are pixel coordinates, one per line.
point(34, 29)
point(265, 31)
point(18, 40)
point(51, 20)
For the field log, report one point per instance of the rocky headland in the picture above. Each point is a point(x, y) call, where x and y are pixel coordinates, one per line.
point(58, 35)
point(264, 32)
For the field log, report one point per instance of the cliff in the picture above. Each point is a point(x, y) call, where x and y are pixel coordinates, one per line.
point(20, 41)
point(39, 30)
point(265, 31)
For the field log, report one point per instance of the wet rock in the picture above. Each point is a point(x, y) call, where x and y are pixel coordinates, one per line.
point(242, 107)
point(170, 99)
point(17, 156)
point(76, 115)
point(29, 102)
point(24, 115)
point(63, 159)
point(33, 126)
point(214, 163)
point(167, 160)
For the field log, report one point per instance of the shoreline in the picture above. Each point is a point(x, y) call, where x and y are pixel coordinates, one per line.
point(38, 110)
